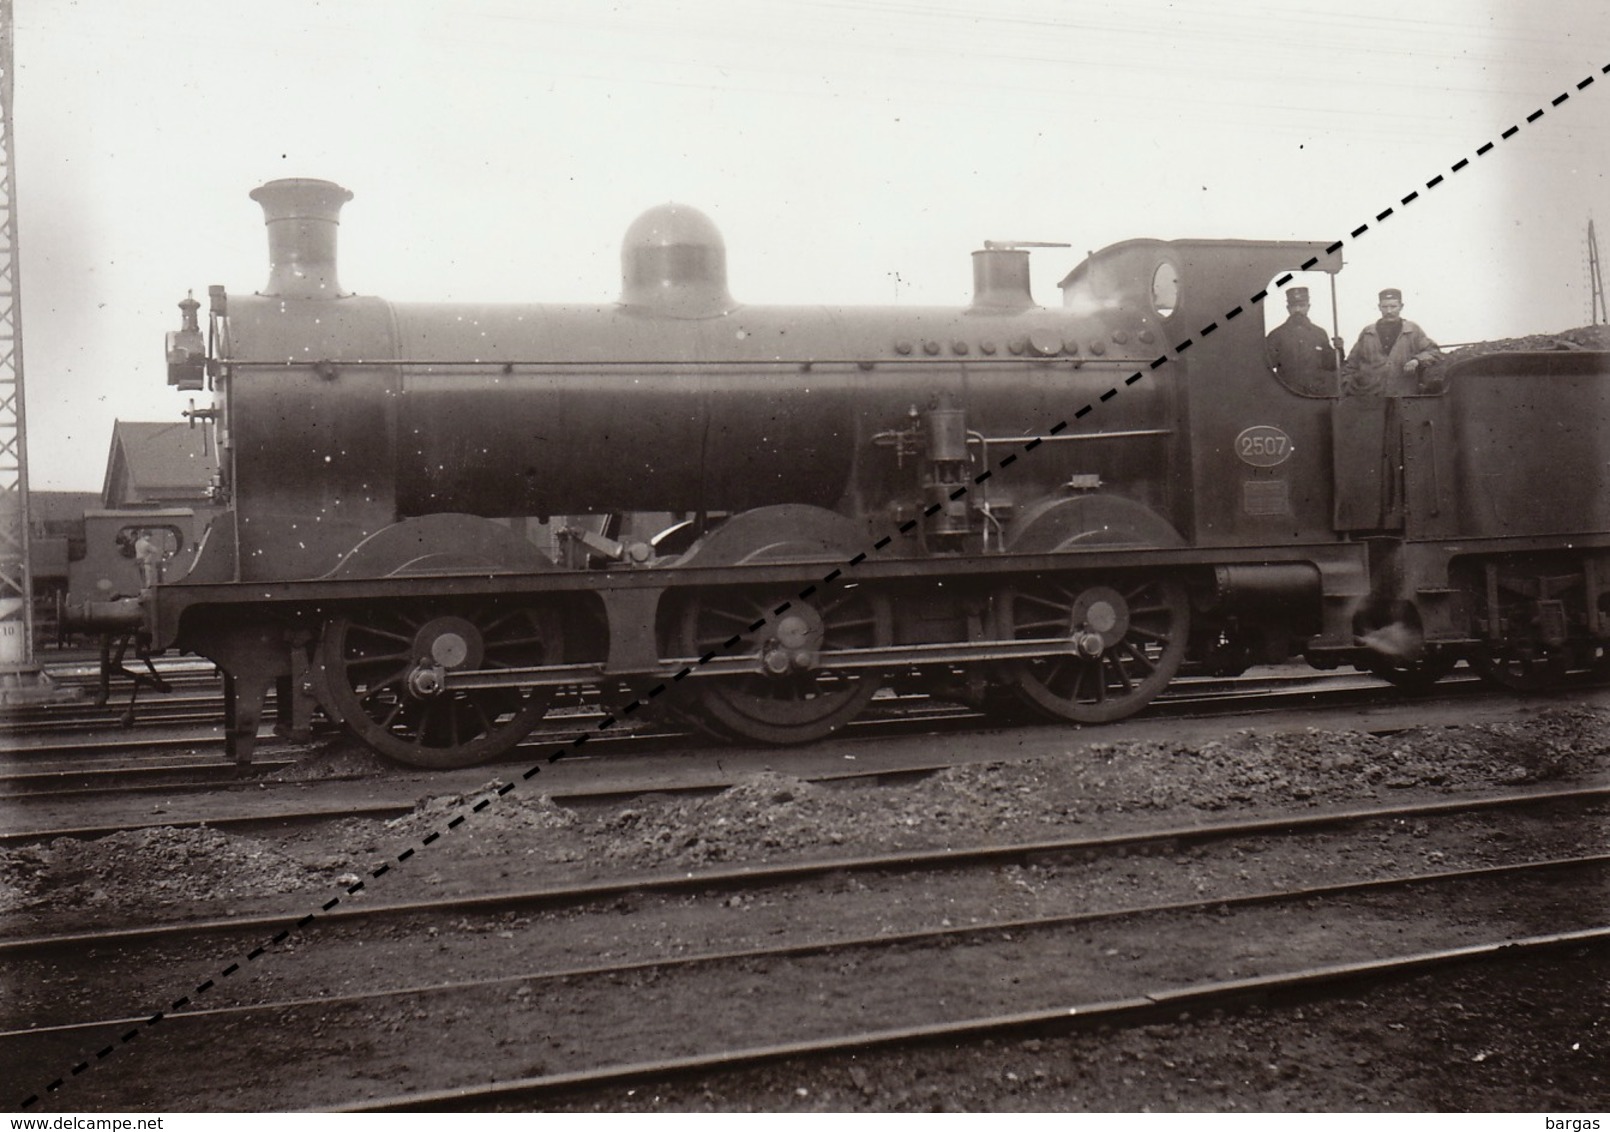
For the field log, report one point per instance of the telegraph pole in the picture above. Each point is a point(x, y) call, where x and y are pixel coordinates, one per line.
point(1597, 315)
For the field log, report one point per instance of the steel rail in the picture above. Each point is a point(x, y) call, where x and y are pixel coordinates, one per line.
point(1139, 1010)
point(952, 935)
point(162, 712)
point(880, 719)
point(122, 780)
point(1184, 693)
point(747, 877)
point(893, 709)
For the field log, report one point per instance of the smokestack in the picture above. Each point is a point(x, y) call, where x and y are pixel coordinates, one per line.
point(302, 216)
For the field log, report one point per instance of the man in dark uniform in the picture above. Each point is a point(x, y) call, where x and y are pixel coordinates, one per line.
point(1393, 356)
point(1304, 360)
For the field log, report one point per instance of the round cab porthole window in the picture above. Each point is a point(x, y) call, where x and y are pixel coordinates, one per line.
point(1165, 289)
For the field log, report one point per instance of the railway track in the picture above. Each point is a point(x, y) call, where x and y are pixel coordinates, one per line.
point(182, 709)
point(88, 801)
point(1147, 1007)
point(964, 945)
point(193, 759)
point(197, 700)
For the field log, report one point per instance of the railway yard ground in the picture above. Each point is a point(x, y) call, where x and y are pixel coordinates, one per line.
point(1290, 911)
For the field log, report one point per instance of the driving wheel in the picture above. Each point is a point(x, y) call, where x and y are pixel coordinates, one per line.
point(797, 697)
point(1126, 640)
point(380, 675)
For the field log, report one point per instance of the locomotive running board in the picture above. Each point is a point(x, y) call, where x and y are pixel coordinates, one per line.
point(838, 660)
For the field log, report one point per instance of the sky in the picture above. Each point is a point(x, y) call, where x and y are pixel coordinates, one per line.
point(850, 152)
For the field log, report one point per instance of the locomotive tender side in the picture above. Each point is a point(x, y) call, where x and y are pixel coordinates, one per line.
point(869, 494)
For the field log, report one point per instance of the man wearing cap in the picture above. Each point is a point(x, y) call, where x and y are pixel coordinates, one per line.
point(1302, 357)
point(1393, 356)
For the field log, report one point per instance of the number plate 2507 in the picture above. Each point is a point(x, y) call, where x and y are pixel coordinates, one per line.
point(1263, 446)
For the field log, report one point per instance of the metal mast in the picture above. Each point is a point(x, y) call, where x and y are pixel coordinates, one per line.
point(21, 681)
point(16, 591)
point(1597, 314)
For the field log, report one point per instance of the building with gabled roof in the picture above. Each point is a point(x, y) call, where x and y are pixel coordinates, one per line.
point(158, 464)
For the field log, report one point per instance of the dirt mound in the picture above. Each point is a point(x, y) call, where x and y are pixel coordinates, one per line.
point(512, 812)
point(139, 867)
point(772, 814)
point(768, 811)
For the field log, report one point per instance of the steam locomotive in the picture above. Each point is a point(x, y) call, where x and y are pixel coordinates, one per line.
point(1058, 507)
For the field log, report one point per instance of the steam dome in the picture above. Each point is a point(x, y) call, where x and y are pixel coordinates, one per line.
point(674, 263)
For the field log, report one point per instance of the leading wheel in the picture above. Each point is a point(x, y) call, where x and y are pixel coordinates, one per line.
point(798, 698)
point(372, 659)
point(1126, 642)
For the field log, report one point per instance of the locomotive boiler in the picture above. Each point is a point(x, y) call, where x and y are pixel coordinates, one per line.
point(1063, 504)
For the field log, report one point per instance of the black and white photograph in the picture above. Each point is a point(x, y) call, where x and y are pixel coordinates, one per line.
point(804, 557)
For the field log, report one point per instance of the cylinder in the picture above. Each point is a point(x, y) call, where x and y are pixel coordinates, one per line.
point(1264, 588)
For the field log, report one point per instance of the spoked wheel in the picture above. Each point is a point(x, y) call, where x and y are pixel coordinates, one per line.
point(1520, 667)
point(799, 698)
point(1129, 639)
point(377, 676)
